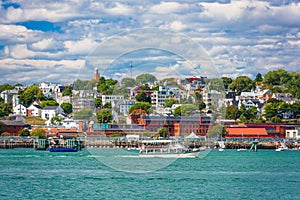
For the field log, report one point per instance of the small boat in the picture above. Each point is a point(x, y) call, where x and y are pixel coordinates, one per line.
point(64, 145)
point(221, 145)
point(166, 149)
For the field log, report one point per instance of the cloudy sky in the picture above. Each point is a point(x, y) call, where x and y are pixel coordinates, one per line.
point(60, 41)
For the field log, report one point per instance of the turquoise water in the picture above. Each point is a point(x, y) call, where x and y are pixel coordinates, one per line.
point(266, 174)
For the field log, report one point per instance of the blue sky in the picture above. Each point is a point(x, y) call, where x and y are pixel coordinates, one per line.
point(64, 40)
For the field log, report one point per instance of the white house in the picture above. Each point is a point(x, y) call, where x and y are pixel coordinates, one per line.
point(113, 99)
point(34, 110)
point(49, 112)
point(20, 109)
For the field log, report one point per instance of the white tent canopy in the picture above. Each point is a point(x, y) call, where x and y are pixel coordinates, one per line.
point(192, 136)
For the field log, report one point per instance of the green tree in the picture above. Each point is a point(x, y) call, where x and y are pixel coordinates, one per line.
point(83, 114)
point(5, 109)
point(24, 133)
point(162, 132)
point(141, 105)
point(67, 92)
point(185, 110)
point(84, 85)
point(226, 82)
point(216, 131)
point(271, 110)
point(107, 105)
point(145, 78)
point(98, 102)
point(40, 133)
point(67, 107)
point(258, 78)
point(106, 86)
point(5, 86)
point(40, 96)
point(29, 94)
point(49, 103)
point(56, 120)
point(242, 84)
point(169, 102)
point(128, 82)
point(2, 127)
point(201, 105)
point(104, 116)
point(231, 112)
point(216, 84)
point(276, 77)
point(142, 97)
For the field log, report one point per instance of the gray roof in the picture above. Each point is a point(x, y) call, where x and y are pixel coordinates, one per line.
point(50, 108)
point(13, 123)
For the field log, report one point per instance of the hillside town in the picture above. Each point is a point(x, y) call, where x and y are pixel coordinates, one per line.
point(264, 108)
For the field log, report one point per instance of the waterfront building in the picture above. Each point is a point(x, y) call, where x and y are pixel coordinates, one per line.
point(177, 125)
point(13, 126)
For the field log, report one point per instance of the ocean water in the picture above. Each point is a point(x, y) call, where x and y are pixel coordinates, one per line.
point(266, 174)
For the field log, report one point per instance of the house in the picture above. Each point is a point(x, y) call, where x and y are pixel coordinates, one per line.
point(113, 99)
point(20, 109)
point(34, 110)
point(49, 112)
point(13, 126)
point(82, 104)
point(49, 89)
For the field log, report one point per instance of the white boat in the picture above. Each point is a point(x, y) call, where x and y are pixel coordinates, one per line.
point(166, 149)
point(282, 147)
point(221, 145)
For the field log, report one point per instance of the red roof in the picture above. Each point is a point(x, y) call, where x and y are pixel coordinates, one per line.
point(259, 132)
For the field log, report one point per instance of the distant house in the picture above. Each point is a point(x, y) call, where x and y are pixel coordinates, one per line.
point(49, 112)
point(34, 110)
point(13, 127)
point(20, 109)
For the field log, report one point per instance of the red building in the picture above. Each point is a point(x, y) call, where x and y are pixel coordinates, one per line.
point(13, 127)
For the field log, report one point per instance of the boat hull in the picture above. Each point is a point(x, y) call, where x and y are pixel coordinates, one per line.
point(193, 154)
point(63, 149)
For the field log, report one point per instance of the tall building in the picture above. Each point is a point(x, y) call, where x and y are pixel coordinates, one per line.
point(96, 74)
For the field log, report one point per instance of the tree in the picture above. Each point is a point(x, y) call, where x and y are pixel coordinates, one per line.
point(162, 132)
point(216, 84)
point(84, 85)
point(2, 127)
point(107, 105)
point(169, 102)
point(67, 107)
point(56, 120)
point(216, 131)
point(226, 82)
point(29, 94)
point(141, 105)
point(231, 112)
point(40, 133)
point(201, 105)
point(5, 86)
point(98, 102)
point(145, 78)
point(142, 97)
point(104, 116)
point(83, 115)
point(128, 82)
point(185, 110)
point(106, 86)
point(5, 109)
point(258, 78)
point(24, 133)
point(242, 84)
point(271, 110)
point(49, 103)
point(276, 77)
point(67, 92)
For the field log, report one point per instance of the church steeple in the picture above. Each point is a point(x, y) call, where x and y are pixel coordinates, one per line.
point(96, 74)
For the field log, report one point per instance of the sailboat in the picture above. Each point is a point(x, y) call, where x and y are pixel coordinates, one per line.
point(244, 148)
